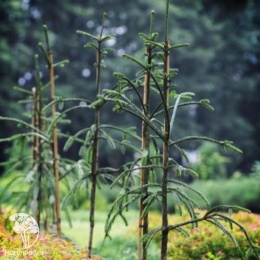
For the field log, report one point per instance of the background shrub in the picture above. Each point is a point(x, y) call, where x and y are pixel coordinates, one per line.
point(211, 163)
point(241, 191)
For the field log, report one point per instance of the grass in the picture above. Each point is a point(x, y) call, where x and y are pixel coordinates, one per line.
point(122, 246)
point(78, 232)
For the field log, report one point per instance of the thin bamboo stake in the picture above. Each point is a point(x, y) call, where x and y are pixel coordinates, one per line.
point(37, 145)
point(143, 220)
point(34, 97)
point(35, 150)
point(38, 151)
point(55, 150)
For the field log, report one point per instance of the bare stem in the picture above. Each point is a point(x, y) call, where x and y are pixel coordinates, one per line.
point(164, 240)
point(95, 155)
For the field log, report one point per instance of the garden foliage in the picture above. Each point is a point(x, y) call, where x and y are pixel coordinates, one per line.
point(208, 242)
point(47, 247)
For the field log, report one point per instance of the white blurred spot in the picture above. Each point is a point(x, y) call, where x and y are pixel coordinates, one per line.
point(120, 52)
point(111, 42)
point(90, 24)
point(193, 156)
point(83, 103)
point(25, 4)
point(28, 75)
point(121, 30)
point(85, 73)
point(21, 81)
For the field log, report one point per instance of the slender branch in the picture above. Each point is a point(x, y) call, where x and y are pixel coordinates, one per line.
point(196, 138)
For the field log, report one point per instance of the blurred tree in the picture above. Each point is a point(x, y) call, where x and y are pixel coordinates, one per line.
point(15, 55)
point(211, 164)
point(235, 68)
point(221, 63)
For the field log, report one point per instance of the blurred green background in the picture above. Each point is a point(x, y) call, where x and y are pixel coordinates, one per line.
point(221, 64)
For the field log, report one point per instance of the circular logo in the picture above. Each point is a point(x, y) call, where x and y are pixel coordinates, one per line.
point(27, 227)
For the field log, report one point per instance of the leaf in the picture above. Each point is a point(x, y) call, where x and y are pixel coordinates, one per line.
point(150, 235)
point(183, 153)
point(29, 134)
point(88, 35)
point(91, 45)
point(118, 75)
point(144, 157)
point(67, 216)
point(156, 44)
point(89, 154)
point(82, 151)
point(187, 95)
point(134, 60)
point(23, 90)
point(173, 94)
point(148, 202)
point(179, 229)
point(178, 172)
point(224, 208)
point(106, 38)
point(144, 36)
point(188, 203)
point(61, 105)
point(102, 64)
point(230, 211)
point(6, 188)
point(80, 169)
point(226, 232)
point(109, 139)
point(108, 49)
point(54, 122)
point(127, 143)
point(45, 54)
point(45, 30)
point(111, 92)
point(206, 103)
point(232, 147)
point(192, 172)
point(117, 179)
point(73, 189)
point(98, 102)
point(179, 46)
point(154, 36)
point(190, 188)
point(107, 170)
point(60, 64)
point(30, 176)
